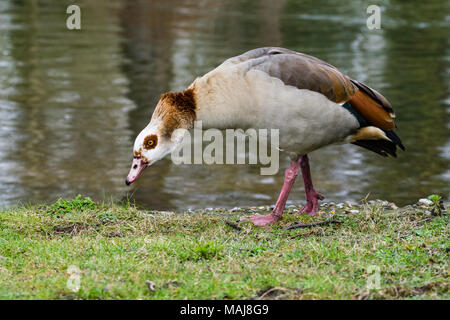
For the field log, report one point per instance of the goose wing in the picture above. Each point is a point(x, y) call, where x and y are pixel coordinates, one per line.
point(306, 72)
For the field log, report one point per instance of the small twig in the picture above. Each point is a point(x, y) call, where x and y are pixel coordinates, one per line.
point(233, 225)
point(425, 219)
point(303, 234)
point(269, 292)
point(303, 225)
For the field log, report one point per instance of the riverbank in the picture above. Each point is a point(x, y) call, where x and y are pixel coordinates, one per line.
point(79, 249)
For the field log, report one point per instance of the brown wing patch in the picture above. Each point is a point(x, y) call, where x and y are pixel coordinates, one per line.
point(307, 72)
point(376, 96)
point(372, 111)
point(341, 86)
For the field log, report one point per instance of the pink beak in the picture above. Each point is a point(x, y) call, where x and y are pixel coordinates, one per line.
point(137, 167)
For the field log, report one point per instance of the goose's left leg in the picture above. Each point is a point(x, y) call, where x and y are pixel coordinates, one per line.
point(312, 197)
point(289, 179)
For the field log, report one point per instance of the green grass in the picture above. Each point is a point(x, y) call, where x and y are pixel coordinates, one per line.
point(117, 250)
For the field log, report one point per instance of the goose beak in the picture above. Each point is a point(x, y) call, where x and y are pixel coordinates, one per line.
point(137, 167)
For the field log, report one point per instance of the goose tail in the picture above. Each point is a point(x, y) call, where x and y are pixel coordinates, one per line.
point(376, 118)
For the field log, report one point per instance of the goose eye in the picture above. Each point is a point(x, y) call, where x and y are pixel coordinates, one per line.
point(150, 141)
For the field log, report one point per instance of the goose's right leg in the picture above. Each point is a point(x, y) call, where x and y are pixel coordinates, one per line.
point(289, 179)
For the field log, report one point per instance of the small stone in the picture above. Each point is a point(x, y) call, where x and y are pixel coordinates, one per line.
point(340, 205)
point(354, 211)
point(235, 209)
point(331, 204)
point(167, 213)
point(350, 203)
point(150, 284)
point(426, 202)
point(107, 288)
point(393, 206)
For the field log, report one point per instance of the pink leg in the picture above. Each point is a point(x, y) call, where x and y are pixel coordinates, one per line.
point(289, 179)
point(312, 197)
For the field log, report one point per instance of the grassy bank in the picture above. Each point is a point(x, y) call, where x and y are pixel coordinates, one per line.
point(79, 249)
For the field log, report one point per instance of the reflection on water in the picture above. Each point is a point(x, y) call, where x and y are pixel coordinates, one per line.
point(72, 102)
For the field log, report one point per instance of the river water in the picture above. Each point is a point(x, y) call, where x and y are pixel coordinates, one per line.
point(72, 102)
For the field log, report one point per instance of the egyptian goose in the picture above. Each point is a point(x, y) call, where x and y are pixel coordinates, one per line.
point(311, 102)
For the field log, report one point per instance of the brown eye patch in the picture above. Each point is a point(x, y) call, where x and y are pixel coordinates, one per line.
point(150, 141)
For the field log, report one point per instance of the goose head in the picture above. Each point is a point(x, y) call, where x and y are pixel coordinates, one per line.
point(173, 115)
point(150, 146)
